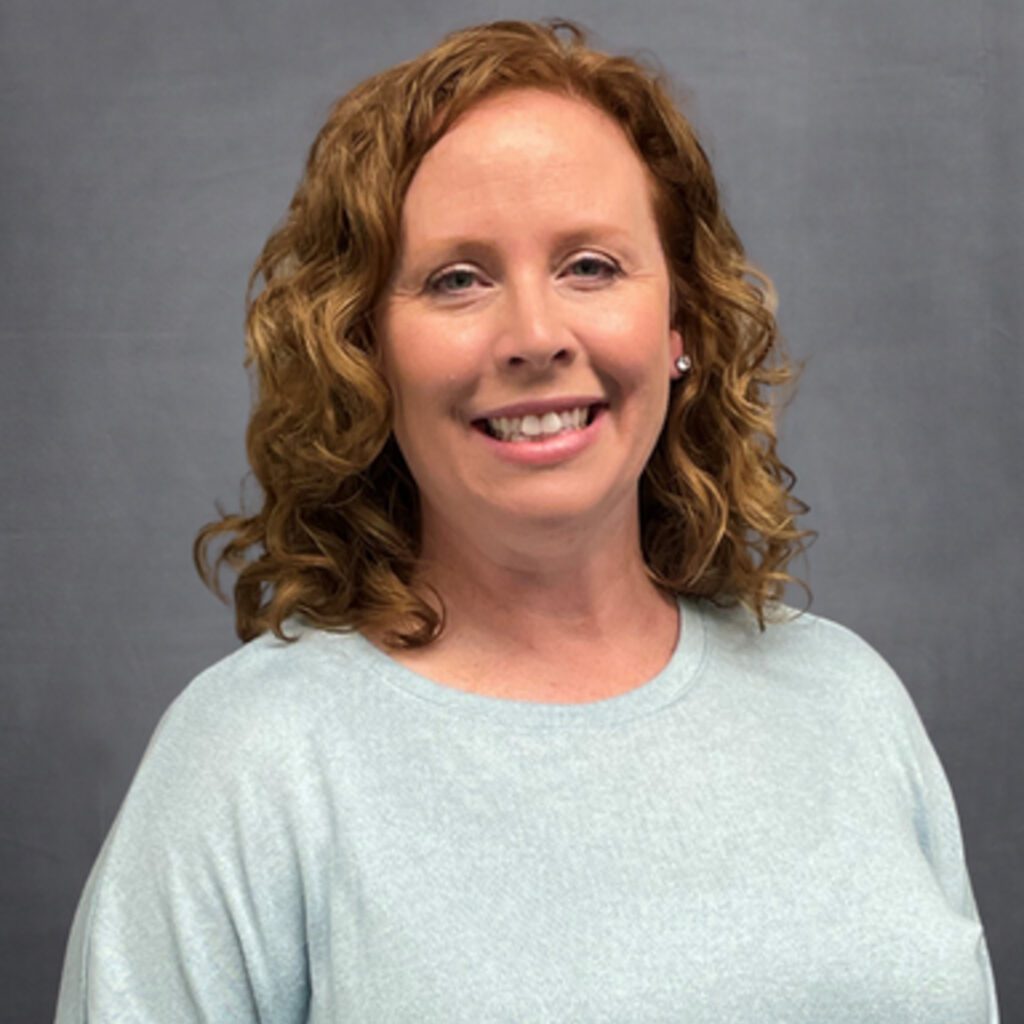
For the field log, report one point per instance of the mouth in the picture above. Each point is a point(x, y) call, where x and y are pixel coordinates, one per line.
point(535, 429)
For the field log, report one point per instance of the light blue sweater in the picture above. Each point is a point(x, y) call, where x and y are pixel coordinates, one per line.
point(761, 833)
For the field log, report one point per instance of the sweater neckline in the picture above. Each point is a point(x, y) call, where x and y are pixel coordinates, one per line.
point(668, 685)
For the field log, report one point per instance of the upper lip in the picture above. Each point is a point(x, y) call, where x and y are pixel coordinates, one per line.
point(540, 406)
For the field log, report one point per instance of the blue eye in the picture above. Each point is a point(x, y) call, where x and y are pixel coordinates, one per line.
point(458, 279)
point(593, 268)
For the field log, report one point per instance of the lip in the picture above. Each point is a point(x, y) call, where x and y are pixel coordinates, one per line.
point(550, 451)
point(540, 406)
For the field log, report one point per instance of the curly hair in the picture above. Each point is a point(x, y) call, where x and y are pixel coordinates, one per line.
point(337, 539)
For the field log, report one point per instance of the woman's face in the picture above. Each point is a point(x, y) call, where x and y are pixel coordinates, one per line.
point(531, 280)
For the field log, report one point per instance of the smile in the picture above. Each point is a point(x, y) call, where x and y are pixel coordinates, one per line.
point(547, 447)
point(530, 428)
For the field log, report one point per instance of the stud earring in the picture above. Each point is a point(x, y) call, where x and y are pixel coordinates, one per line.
point(683, 364)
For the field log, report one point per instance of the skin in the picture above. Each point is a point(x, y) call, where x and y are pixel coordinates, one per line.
point(531, 267)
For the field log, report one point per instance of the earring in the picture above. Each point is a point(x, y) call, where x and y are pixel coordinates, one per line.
point(683, 364)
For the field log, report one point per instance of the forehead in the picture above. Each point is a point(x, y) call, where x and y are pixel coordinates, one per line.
point(528, 146)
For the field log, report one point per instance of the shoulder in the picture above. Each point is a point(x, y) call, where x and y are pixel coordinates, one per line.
point(207, 851)
point(304, 675)
point(808, 656)
point(812, 677)
point(799, 637)
point(267, 706)
point(252, 741)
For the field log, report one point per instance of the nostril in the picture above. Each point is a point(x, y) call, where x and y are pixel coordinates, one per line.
point(539, 358)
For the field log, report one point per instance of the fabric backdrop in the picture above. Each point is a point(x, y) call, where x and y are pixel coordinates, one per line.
point(871, 156)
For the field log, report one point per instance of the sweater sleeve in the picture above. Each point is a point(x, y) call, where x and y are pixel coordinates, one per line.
point(193, 911)
point(938, 830)
point(933, 808)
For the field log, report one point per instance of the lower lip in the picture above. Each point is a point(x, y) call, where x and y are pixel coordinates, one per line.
point(550, 451)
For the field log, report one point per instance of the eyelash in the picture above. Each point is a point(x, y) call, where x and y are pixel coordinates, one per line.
point(609, 271)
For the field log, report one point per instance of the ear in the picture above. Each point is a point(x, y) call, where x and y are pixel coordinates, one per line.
point(675, 348)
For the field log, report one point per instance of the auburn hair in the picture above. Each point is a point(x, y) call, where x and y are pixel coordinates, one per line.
point(337, 538)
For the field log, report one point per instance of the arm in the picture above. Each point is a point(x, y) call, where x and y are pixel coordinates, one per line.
point(937, 825)
point(193, 911)
point(903, 743)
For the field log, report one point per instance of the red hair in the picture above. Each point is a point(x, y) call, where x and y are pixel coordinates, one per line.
point(337, 537)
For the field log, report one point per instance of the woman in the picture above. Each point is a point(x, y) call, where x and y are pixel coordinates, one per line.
point(522, 731)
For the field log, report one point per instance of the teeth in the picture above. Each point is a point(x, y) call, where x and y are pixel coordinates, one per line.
point(532, 426)
point(519, 428)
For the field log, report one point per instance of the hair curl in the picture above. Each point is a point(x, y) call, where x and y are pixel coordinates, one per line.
point(337, 538)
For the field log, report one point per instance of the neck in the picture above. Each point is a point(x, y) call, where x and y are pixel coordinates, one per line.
point(564, 588)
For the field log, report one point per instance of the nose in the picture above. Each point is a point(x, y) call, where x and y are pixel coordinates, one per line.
point(533, 332)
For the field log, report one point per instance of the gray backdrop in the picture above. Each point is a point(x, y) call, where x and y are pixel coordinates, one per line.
point(871, 154)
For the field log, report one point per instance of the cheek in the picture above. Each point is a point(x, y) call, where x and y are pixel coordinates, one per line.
point(430, 351)
point(635, 346)
point(432, 373)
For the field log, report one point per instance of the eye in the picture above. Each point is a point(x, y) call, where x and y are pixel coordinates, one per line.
point(590, 267)
point(452, 281)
